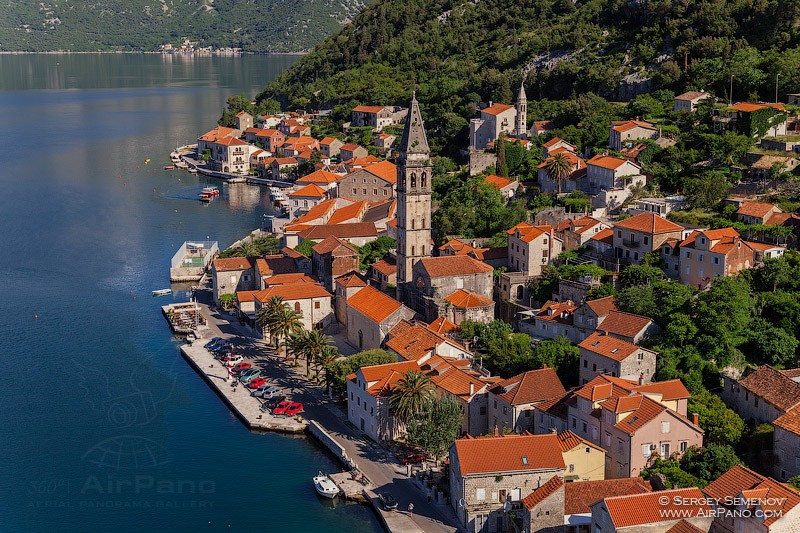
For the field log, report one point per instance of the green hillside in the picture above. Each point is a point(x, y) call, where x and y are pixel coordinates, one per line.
point(460, 52)
point(255, 25)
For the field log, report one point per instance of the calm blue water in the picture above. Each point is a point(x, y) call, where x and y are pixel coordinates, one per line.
point(104, 426)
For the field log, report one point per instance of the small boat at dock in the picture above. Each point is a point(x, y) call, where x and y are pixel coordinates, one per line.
point(169, 167)
point(208, 193)
point(325, 486)
point(162, 292)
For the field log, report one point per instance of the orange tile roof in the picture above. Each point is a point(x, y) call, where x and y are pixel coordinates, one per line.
point(459, 247)
point(293, 291)
point(386, 266)
point(464, 299)
point(453, 265)
point(330, 244)
point(624, 324)
point(648, 223)
point(568, 440)
point(748, 107)
point(630, 124)
point(650, 507)
point(577, 162)
point(685, 527)
point(740, 480)
point(755, 209)
point(294, 254)
point(352, 212)
point(269, 132)
point(498, 182)
point(457, 381)
point(385, 170)
point(496, 109)
point(602, 306)
point(216, 134)
point(352, 279)
point(309, 191)
point(761, 246)
point(373, 304)
point(605, 235)
point(275, 264)
point(509, 453)
point(442, 326)
point(608, 346)
point(286, 160)
point(318, 211)
point(691, 95)
point(608, 161)
point(286, 279)
point(540, 494)
point(672, 389)
point(368, 108)
point(773, 387)
point(557, 311)
point(412, 341)
point(349, 147)
point(646, 412)
point(528, 232)
point(232, 263)
point(343, 231)
point(529, 387)
point(377, 372)
point(580, 495)
point(246, 296)
point(320, 176)
point(725, 235)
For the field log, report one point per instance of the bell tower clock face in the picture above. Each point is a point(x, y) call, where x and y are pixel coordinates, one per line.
point(420, 282)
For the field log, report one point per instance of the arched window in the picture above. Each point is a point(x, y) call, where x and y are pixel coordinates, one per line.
point(423, 250)
point(519, 292)
point(297, 307)
point(413, 180)
point(360, 340)
point(423, 180)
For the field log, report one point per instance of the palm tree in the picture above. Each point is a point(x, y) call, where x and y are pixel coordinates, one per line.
point(248, 249)
point(410, 394)
point(297, 345)
point(286, 322)
point(327, 358)
point(268, 314)
point(316, 341)
point(558, 168)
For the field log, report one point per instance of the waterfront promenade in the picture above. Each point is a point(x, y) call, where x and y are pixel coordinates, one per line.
point(379, 465)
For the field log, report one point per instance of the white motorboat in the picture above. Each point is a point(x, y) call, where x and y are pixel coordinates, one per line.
point(162, 292)
point(325, 486)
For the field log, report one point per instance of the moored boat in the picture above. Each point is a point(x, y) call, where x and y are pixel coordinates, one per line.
point(210, 191)
point(162, 292)
point(169, 167)
point(325, 486)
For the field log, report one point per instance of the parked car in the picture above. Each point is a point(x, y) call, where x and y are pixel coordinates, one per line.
point(410, 458)
point(266, 391)
point(222, 346)
point(233, 360)
point(294, 409)
point(213, 342)
point(249, 374)
point(281, 407)
point(255, 383)
point(388, 501)
point(241, 367)
point(273, 402)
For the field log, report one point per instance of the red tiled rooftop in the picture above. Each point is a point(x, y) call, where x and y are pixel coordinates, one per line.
point(528, 387)
point(509, 453)
point(412, 341)
point(649, 508)
point(624, 324)
point(496, 109)
point(648, 223)
point(773, 387)
point(373, 304)
point(755, 209)
point(579, 496)
point(232, 263)
point(386, 170)
point(540, 494)
point(464, 299)
point(293, 291)
point(453, 266)
point(331, 243)
point(320, 176)
point(608, 346)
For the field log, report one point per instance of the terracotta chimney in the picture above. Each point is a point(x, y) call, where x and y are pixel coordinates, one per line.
point(471, 389)
point(496, 431)
point(641, 378)
point(695, 419)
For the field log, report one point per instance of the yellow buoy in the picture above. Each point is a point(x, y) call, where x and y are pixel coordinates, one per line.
point(146, 161)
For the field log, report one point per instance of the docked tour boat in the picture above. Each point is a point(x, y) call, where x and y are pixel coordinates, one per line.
point(325, 486)
point(162, 292)
point(208, 193)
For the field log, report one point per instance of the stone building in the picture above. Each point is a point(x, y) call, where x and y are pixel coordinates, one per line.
point(604, 354)
point(374, 183)
point(414, 191)
point(346, 286)
point(231, 275)
point(333, 257)
point(531, 248)
point(621, 132)
point(786, 445)
point(377, 117)
point(688, 101)
point(762, 394)
point(669, 511)
point(312, 303)
point(513, 401)
point(467, 305)
point(490, 476)
point(371, 315)
point(494, 120)
point(436, 278)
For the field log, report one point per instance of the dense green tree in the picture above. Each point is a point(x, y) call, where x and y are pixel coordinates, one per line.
point(375, 250)
point(709, 462)
point(708, 189)
point(721, 425)
point(344, 367)
point(410, 395)
point(639, 275)
point(561, 355)
point(500, 146)
point(558, 168)
point(675, 476)
point(434, 428)
point(306, 247)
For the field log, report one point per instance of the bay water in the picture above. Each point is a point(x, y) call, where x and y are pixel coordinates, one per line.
point(103, 426)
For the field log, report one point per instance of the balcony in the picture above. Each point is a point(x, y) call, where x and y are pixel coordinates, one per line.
point(631, 244)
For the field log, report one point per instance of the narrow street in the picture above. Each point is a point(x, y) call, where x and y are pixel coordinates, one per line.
point(378, 464)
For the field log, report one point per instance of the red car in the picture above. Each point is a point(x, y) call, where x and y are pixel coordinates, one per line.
point(293, 409)
point(241, 367)
point(281, 407)
point(256, 383)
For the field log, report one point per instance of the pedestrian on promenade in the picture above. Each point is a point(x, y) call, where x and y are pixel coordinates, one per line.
point(410, 509)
